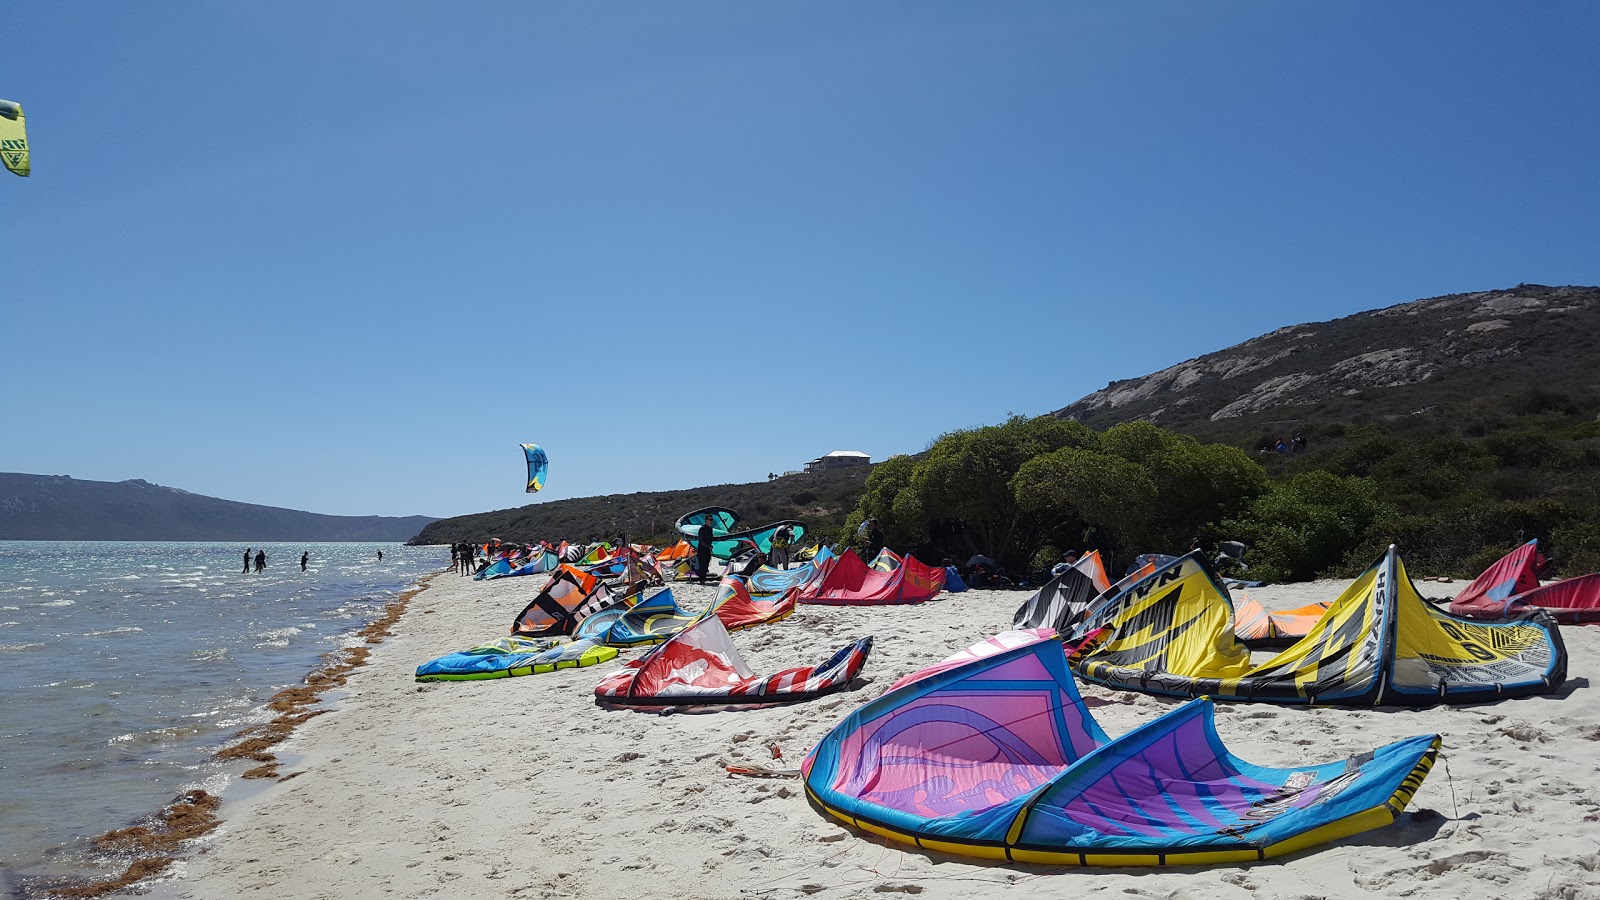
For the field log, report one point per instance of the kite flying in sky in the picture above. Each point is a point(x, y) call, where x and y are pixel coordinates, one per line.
point(538, 467)
point(14, 138)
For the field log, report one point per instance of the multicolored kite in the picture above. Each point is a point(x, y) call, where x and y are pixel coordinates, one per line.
point(999, 758)
point(14, 138)
point(538, 467)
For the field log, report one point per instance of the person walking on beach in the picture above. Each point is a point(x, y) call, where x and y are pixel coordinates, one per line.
point(246, 562)
point(702, 554)
point(261, 561)
point(304, 558)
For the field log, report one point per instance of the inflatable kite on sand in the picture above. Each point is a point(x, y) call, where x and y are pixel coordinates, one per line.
point(1259, 629)
point(513, 656)
point(649, 621)
point(505, 567)
point(768, 580)
point(570, 596)
point(699, 667)
point(728, 540)
point(1064, 599)
point(846, 581)
point(653, 620)
point(1510, 589)
point(1378, 644)
point(999, 758)
point(1000, 643)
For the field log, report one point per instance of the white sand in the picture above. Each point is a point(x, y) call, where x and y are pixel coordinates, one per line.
point(523, 788)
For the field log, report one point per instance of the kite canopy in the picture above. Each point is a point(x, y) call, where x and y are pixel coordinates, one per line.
point(699, 666)
point(1575, 601)
point(1379, 643)
point(1515, 573)
point(846, 581)
point(952, 581)
point(1510, 588)
point(766, 581)
point(728, 540)
point(649, 621)
point(998, 757)
point(570, 596)
point(1259, 629)
point(14, 138)
point(513, 656)
point(540, 563)
point(538, 467)
point(1000, 643)
point(681, 550)
point(1064, 599)
point(886, 561)
point(738, 610)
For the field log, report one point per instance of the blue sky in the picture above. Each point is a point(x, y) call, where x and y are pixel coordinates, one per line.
point(346, 256)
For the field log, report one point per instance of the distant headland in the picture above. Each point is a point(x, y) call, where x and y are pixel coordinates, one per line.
point(61, 508)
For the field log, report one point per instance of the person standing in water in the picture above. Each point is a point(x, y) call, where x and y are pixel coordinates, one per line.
point(246, 561)
point(380, 556)
point(261, 561)
point(304, 557)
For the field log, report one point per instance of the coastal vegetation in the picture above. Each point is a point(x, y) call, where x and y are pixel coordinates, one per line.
point(1454, 492)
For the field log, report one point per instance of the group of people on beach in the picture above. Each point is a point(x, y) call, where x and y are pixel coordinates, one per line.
point(463, 559)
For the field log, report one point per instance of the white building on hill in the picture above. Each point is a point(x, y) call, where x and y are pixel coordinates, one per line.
point(838, 459)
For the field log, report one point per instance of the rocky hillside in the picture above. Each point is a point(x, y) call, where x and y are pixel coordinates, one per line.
point(59, 508)
point(1427, 357)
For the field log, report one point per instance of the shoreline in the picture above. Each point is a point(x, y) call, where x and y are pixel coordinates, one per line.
point(522, 787)
point(194, 814)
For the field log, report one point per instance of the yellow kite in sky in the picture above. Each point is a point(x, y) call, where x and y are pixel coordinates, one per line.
point(13, 138)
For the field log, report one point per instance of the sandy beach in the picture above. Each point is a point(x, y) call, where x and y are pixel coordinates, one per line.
point(524, 788)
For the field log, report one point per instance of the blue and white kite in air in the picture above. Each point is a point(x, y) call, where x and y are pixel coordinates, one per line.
point(538, 466)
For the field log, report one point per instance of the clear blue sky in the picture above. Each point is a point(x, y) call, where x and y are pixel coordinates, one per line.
point(345, 256)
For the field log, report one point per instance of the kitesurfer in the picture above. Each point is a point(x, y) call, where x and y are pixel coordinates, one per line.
point(304, 558)
point(246, 561)
point(874, 538)
point(261, 561)
point(380, 556)
point(702, 553)
point(781, 539)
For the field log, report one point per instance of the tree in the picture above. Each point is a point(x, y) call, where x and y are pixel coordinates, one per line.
point(1087, 488)
point(1306, 525)
point(967, 475)
point(1196, 484)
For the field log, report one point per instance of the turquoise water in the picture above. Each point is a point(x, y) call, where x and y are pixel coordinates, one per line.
point(124, 666)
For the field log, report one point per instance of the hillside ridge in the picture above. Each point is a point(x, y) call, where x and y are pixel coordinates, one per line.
point(822, 500)
point(63, 508)
point(1404, 359)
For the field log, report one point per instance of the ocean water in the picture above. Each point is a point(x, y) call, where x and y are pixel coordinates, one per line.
point(124, 666)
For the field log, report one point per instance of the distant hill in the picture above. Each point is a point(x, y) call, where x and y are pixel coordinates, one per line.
point(59, 508)
point(1492, 352)
point(821, 500)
